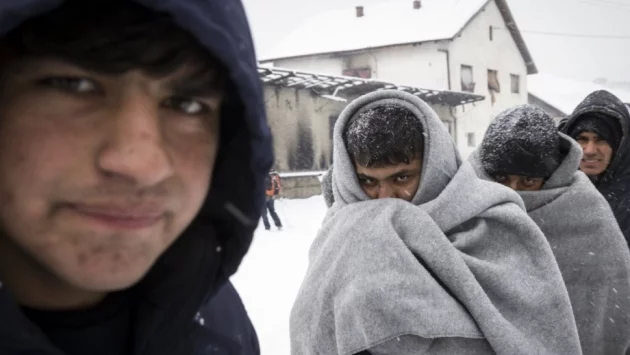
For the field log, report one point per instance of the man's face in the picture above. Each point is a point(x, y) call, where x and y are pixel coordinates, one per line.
point(391, 181)
point(100, 174)
point(597, 153)
point(520, 183)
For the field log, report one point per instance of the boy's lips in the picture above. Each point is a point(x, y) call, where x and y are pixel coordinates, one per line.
point(134, 216)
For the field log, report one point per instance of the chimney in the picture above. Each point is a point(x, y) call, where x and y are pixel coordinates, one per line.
point(359, 11)
point(417, 4)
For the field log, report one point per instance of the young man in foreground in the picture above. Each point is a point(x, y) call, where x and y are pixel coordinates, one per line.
point(523, 149)
point(418, 255)
point(133, 151)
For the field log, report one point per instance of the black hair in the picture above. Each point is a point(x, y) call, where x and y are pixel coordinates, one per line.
point(384, 135)
point(110, 37)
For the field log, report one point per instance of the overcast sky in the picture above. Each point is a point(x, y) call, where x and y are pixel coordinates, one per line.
point(569, 56)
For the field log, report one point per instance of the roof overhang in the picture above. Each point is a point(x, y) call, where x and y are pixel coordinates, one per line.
point(516, 35)
point(341, 87)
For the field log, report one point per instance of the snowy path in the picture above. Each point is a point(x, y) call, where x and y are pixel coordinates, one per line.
point(271, 273)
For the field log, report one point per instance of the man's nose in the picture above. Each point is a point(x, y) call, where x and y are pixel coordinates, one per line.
point(135, 148)
point(385, 191)
point(590, 148)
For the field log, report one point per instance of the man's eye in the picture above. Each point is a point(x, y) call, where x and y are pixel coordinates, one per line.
point(186, 105)
point(71, 84)
point(403, 178)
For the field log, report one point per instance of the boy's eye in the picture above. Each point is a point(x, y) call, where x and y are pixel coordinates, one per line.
point(500, 178)
point(402, 178)
point(367, 181)
point(529, 182)
point(71, 84)
point(186, 105)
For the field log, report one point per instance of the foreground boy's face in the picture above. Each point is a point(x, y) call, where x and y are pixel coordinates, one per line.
point(520, 183)
point(100, 174)
point(391, 181)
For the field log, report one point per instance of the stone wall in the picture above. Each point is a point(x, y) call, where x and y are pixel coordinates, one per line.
point(300, 186)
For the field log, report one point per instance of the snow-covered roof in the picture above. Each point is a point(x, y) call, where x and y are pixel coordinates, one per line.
point(565, 94)
point(387, 24)
point(337, 87)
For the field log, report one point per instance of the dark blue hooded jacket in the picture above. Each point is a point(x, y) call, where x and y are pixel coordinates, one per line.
point(186, 303)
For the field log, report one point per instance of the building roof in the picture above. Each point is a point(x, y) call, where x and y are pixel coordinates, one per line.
point(335, 87)
point(388, 24)
point(565, 94)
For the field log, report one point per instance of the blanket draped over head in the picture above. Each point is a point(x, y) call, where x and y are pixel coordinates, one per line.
point(590, 250)
point(460, 270)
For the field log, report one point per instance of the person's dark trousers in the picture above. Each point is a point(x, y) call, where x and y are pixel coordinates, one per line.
point(270, 205)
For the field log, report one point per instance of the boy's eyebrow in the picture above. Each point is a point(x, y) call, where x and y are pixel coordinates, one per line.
point(207, 85)
point(403, 172)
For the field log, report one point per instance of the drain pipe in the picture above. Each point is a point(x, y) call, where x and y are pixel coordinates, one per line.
point(448, 66)
point(448, 78)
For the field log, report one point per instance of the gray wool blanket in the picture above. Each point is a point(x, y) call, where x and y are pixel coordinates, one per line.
point(590, 250)
point(460, 270)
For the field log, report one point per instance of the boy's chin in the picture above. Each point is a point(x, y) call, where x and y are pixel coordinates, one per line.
point(100, 281)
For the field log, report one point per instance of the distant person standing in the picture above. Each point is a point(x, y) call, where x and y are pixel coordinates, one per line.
point(272, 186)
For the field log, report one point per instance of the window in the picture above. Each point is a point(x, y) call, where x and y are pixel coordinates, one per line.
point(491, 34)
point(468, 84)
point(471, 139)
point(493, 81)
point(493, 84)
point(364, 73)
point(516, 83)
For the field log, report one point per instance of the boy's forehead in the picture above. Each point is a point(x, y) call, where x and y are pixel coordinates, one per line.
point(389, 169)
point(188, 77)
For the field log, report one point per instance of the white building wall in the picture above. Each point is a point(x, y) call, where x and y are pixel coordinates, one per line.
point(475, 48)
point(420, 65)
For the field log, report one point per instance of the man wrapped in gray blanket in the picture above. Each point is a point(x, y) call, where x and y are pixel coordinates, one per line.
point(420, 256)
point(523, 150)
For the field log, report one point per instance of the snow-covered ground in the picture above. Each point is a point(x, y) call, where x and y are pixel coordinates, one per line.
point(271, 273)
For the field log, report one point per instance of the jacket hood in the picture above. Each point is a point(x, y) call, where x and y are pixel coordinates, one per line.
point(211, 249)
point(565, 172)
point(603, 102)
point(441, 158)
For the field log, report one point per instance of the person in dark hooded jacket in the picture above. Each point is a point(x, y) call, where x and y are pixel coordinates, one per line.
point(600, 125)
point(133, 152)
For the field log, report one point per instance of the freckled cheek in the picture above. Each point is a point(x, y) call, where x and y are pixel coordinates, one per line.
point(35, 161)
point(194, 163)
